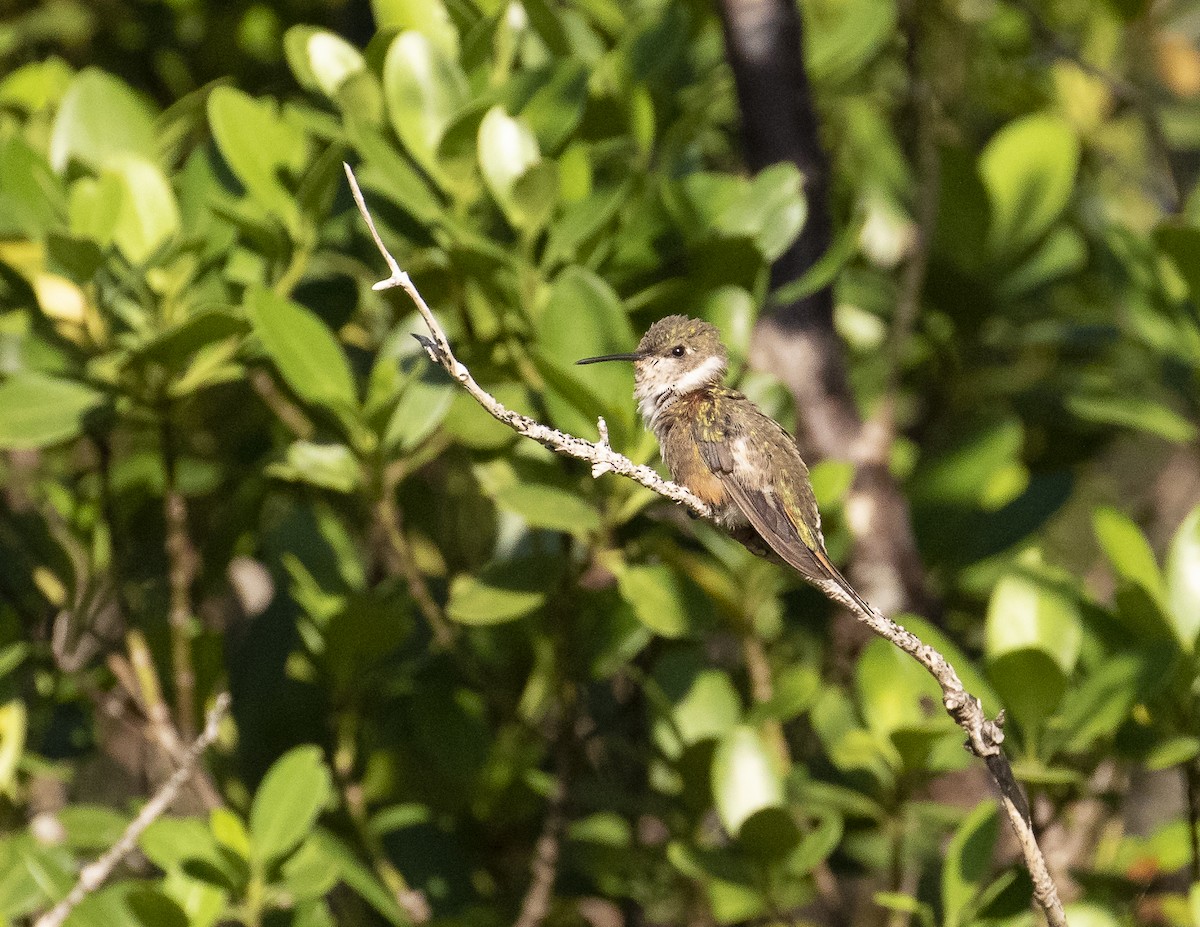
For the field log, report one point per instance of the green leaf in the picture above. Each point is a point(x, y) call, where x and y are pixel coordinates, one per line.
point(93, 206)
point(14, 726)
point(1034, 606)
point(1128, 550)
point(329, 466)
point(826, 269)
point(503, 591)
point(175, 347)
point(98, 119)
point(1172, 751)
point(507, 149)
point(895, 691)
point(304, 351)
point(321, 60)
point(32, 199)
point(543, 506)
point(291, 796)
point(1032, 638)
point(37, 410)
point(147, 215)
point(424, 89)
point(92, 827)
point(967, 862)
point(705, 703)
point(657, 596)
point(1132, 412)
point(1182, 245)
point(816, 844)
point(1029, 171)
point(1063, 252)
point(311, 871)
point(554, 110)
point(1183, 580)
point(428, 17)
point(422, 407)
point(771, 210)
point(844, 37)
point(744, 778)
point(796, 691)
point(258, 145)
point(360, 878)
point(584, 318)
point(1102, 702)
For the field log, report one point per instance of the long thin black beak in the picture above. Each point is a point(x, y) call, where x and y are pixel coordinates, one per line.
point(610, 357)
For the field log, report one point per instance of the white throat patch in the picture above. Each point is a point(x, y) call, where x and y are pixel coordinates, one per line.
point(706, 373)
point(653, 398)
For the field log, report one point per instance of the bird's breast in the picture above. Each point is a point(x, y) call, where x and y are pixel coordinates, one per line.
point(682, 456)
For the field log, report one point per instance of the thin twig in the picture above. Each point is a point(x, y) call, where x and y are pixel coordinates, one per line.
point(285, 410)
point(392, 521)
point(139, 677)
point(535, 906)
point(411, 901)
point(96, 873)
point(182, 568)
point(983, 735)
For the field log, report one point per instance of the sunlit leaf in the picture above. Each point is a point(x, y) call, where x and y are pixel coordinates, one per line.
point(260, 147)
point(293, 793)
point(1029, 171)
point(428, 17)
point(37, 410)
point(1032, 638)
point(744, 777)
point(544, 506)
point(1128, 550)
point(100, 118)
point(656, 594)
point(303, 349)
point(424, 89)
point(1183, 580)
point(502, 591)
point(321, 60)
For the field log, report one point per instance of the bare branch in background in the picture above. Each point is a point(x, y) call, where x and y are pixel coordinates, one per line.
point(95, 874)
point(183, 565)
point(983, 735)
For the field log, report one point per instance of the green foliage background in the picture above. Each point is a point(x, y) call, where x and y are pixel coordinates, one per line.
point(439, 637)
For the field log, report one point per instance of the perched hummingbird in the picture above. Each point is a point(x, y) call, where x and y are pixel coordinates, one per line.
point(726, 450)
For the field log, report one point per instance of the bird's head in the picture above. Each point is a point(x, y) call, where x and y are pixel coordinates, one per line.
point(677, 355)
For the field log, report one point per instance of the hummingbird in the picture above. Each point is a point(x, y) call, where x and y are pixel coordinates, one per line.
point(729, 453)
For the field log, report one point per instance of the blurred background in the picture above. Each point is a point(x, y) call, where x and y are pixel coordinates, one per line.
point(953, 245)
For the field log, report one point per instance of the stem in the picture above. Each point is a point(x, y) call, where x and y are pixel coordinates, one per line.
point(391, 520)
point(182, 568)
point(412, 902)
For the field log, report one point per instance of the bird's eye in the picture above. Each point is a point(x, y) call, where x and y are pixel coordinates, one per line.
point(678, 351)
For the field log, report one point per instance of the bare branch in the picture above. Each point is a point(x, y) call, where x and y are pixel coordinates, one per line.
point(983, 735)
point(95, 874)
point(183, 565)
point(535, 905)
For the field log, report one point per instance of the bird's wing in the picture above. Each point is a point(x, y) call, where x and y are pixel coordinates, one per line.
point(782, 509)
